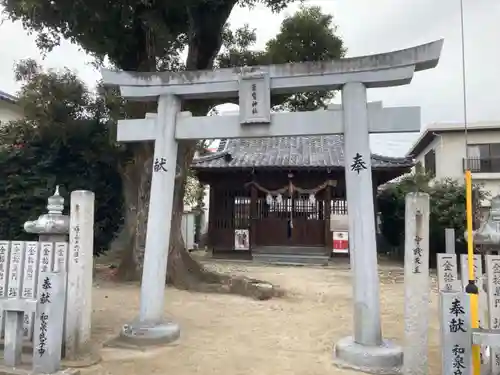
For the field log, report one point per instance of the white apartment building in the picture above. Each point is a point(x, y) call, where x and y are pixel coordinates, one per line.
point(441, 151)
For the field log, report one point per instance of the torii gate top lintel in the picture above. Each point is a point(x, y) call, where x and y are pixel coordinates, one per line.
point(380, 70)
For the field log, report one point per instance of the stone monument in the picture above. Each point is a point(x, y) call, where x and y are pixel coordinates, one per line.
point(253, 86)
point(80, 277)
point(417, 286)
point(487, 238)
point(74, 257)
point(488, 234)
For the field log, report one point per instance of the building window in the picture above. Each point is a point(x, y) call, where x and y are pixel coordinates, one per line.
point(430, 163)
point(483, 157)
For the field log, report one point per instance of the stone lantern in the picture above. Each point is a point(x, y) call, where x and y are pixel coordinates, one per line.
point(487, 237)
point(488, 234)
point(54, 225)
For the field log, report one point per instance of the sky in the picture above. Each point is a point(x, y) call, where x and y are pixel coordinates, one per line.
point(367, 27)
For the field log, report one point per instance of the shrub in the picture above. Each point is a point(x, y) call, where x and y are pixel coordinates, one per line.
point(31, 168)
point(447, 210)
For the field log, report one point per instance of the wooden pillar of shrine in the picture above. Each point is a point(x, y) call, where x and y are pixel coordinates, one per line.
point(375, 205)
point(327, 209)
point(253, 217)
point(211, 218)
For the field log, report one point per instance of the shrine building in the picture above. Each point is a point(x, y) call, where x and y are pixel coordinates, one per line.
point(281, 194)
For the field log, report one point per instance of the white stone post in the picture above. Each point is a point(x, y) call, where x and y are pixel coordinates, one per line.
point(30, 282)
point(417, 288)
point(447, 272)
point(362, 237)
point(366, 350)
point(14, 310)
point(493, 305)
point(456, 342)
point(80, 269)
point(49, 323)
point(449, 239)
point(4, 274)
point(151, 324)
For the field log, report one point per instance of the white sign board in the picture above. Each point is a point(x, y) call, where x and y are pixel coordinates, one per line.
point(340, 242)
point(447, 272)
point(241, 239)
point(255, 99)
point(30, 283)
point(15, 269)
point(493, 276)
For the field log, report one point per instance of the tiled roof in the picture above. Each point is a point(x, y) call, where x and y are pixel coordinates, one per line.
point(293, 152)
point(7, 97)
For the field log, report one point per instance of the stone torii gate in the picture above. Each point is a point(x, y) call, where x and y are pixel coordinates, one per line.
point(254, 85)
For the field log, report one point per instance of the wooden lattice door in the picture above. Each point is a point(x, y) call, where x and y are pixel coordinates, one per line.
point(308, 225)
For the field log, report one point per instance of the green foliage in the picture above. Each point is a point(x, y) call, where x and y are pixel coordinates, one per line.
point(447, 204)
point(64, 140)
point(132, 34)
point(193, 191)
point(307, 35)
point(138, 35)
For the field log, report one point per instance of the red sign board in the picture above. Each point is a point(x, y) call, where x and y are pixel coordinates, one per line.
point(340, 242)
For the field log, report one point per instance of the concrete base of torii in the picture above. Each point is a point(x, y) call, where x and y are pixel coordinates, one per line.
point(140, 334)
point(386, 359)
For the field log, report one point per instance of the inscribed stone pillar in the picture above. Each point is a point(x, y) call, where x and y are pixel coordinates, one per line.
point(417, 288)
point(449, 238)
point(365, 350)
point(4, 268)
point(49, 323)
point(493, 291)
point(80, 267)
point(447, 272)
point(456, 348)
point(30, 282)
point(362, 238)
point(151, 325)
point(61, 257)
point(478, 277)
point(15, 269)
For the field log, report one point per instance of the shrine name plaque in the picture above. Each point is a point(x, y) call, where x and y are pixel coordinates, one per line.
point(255, 98)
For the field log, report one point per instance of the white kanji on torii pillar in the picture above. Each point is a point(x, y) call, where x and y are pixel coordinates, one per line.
point(355, 118)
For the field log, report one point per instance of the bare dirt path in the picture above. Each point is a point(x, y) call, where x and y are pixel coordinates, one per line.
point(223, 334)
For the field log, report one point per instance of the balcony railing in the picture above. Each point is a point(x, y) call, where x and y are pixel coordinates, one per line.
point(482, 164)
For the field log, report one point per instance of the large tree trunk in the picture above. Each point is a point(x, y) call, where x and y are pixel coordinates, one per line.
point(130, 243)
point(183, 271)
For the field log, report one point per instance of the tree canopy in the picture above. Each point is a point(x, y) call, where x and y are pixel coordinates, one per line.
point(447, 203)
point(62, 140)
point(151, 36)
point(134, 35)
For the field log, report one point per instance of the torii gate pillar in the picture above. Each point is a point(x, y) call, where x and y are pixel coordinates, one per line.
point(365, 350)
